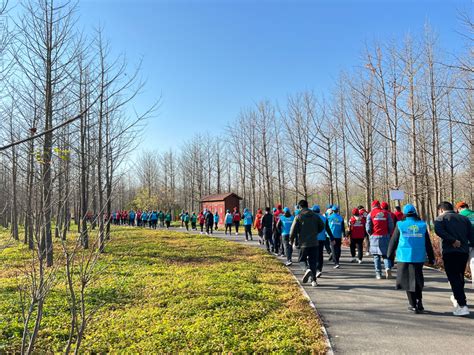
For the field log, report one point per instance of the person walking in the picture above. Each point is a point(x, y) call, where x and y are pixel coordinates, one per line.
point(168, 219)
point(379, 227)
point(284, 225)
point(186, 220)
point(153, 219)
point(216, 220)
point(236, 219)
point(248, 221)
point(209, 222)
point(181, 218)
point(193, 221)
point(139, 218)
point(161, 217)
point(277, 237)
point(323, 236)
point(267, 226)
point(336, 224)
point(385, 206)
point(363, 215)
point(411, 243)
point(398, 213)
point(357, 234)
point(455, 231)
point(258, 226)
point(305, 229)
point(463, 209)
point(131, 218)
point(228, 222)
point(201, 220)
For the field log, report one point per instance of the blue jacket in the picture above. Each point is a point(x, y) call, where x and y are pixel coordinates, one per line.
point(411, 245)
point(154, 216)
point(322, 234)
point(336, 224)
point(216, 218)
point(286, 223)
point(248, 218)
point(131, 215)
point(228, 218)
point(144, 216)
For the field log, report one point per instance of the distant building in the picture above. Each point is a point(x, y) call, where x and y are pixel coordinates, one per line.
point(221, 203)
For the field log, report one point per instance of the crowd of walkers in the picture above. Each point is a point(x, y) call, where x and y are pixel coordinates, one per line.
point(387, 236)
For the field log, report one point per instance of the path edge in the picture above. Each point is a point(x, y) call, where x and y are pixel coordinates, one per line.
point(330, 350)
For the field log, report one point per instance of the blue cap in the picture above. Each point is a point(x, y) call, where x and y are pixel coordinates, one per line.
point(316, 208)
point(286, 210)
point(274, 209)
point(409, 209)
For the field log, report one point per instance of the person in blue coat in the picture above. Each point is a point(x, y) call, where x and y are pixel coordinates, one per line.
point(216, 220)
point(228, 222)
point(145, 218)
point(284, 225)
point(410, 244)
point(131, 218)
point(153, 219)
point(336, 224)
point(323, 236)
point(248, 220)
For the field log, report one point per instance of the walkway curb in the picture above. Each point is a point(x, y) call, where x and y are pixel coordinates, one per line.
point(330, 350)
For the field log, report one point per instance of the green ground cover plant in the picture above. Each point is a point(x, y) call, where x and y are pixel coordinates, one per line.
point(163, 291)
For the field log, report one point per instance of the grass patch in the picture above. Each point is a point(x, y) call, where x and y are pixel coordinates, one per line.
point(173, 292)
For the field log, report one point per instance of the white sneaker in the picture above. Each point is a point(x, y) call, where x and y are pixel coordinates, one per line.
point(314, 283)
point(454, 301)
point(461, 311)
point(367, 253)
point(388, 274)
point(360, 261)
point(353, 260)
point(378, 276)
point(236, 233)
point(318, 274)
point(337, 266)
point(288, 263)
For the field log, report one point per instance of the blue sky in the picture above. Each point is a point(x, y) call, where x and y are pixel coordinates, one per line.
point(209, 59)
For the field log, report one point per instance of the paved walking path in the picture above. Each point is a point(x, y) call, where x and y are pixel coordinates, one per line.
point(363, 315)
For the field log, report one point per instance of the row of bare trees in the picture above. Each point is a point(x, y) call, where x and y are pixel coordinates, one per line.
point(403, 119)
point(65, 131)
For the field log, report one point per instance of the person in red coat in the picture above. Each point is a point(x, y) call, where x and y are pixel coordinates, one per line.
point(385, 206)
point(258, 226)
point(398, 213)
point(357, 234)
point(201, 220)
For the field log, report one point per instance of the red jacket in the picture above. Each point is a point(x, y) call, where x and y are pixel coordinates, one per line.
point(379, 218)
point(357, 227)
point(201, 218)
point(399, 215)
point(236, 217)
point(258, 220)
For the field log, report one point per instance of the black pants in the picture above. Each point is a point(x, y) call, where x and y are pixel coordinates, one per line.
point(193, 225)
point(236, 225)
point(215, 225)
point(209, 228)
point(322, 244)
point(202, 227)
point(455, 265)
point(336, 250)
point(228, 226)
point(248, 231)
point(276, 242)
point(308, 258)
point(153, 224)
point(288, 247)
point(168, 224)
point(268, 233)
point(413, 297)
point(360, 248)
point(187, 225)
point(327, 245)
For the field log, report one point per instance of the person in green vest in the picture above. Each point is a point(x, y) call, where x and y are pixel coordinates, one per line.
point(186, 220)
point(168, 219)
point(193, 221)
point(411, 243)
point(161, 218)
point(463, 209)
